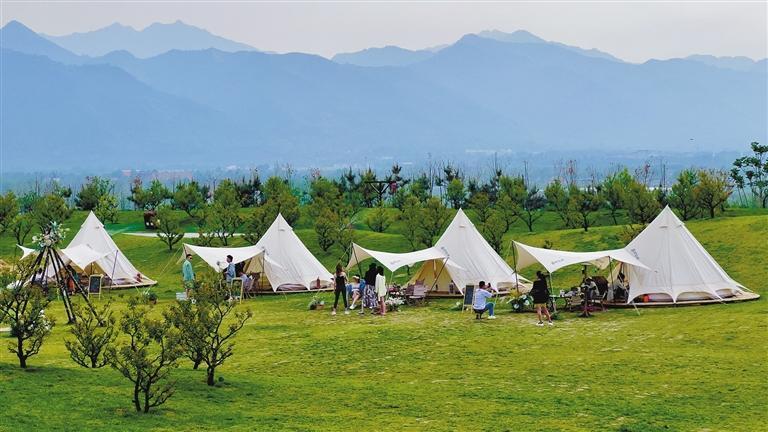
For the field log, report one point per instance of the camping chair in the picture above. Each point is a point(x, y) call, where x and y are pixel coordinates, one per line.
point(252, 288)
point(418, 296)
point(598, 301)
point(236, 288)
point(573, 302)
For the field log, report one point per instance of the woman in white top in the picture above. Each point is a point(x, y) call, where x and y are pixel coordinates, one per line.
point(381, 289)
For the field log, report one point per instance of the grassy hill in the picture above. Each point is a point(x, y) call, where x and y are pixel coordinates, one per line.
point(688, 368)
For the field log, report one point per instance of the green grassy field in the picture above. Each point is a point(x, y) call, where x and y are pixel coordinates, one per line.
point(430, 368)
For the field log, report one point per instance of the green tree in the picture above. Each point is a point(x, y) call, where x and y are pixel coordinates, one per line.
point(50, 208)
point(583, 203)
point(106, 209)
point(642, 205)
point(93, 335)
point(433, 220)
point(455, 192)
point(256, 224)
point(146, 356)
point(481, 205)
point(411, 217)
point(189, 198)
point(279, 199)
point(752, 172)
point(92, 191)
point(148, 199)
point(379, 219)
point(168, 225)
point(326, 223)
point(9, 209)
point(224, 218)
point(712, 191)
point(614, 190)
point(21, 227)
point(212, 327)
point(493, 230)
point(558, 199)
point(22, 306)
point(530, 206)
point(682, 197)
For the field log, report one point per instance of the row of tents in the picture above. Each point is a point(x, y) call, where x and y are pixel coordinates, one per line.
point(664, 261)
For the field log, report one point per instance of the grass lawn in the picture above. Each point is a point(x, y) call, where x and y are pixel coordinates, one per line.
point(430, 368)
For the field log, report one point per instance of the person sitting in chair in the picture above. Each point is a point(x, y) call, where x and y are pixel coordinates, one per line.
point(481, 304)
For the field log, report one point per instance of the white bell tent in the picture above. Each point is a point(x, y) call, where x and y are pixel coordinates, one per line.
point(113, 263)
point(470, 260)
point(281, 259)
point(681, 269)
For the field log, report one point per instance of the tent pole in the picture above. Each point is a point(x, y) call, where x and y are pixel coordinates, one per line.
point(362, 277)
point(610, 272)
point(434, 284)
point(514, 258)
point(114, 266)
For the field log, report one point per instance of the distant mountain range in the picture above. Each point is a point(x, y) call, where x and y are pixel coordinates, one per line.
point(190, 107)
point(156, 39)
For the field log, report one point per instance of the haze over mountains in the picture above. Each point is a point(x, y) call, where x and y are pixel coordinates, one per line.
point(174, 95)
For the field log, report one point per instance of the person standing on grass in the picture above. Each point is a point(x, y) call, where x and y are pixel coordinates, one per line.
point(480, 303)
point(381, 289)
point(230, 272)
point(540, 293)
point(188, 274)
point(340, 289)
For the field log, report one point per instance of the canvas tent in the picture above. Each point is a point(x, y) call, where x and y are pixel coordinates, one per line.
point(81, 257)
point(553, 259)
point(113, 263)
point(283, 262)
point(470, 260)
point(393, 261)
point(681, 269)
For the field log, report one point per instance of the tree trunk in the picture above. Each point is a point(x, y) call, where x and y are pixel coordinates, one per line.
point(136, 402)
point(711, 212)
point(146, 400)
point(211, 372)
point(20, 353)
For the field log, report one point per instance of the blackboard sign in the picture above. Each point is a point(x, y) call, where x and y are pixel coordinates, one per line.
point(94, 284)
point(469, 294)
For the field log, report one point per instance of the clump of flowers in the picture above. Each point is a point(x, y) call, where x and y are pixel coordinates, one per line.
point(52, 236)
point(519, 304)
point(393, 303)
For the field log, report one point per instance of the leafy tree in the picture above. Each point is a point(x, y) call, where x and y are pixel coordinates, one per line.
point(168, 225)
point(22, 305)
point(433, 220)
point(204, 236)
point(583, 203)
point(420, 188)
point(530, 206)
point(367, 189)
point(27, 201)
point(92, 191)
point(507, 210)
point(332, 215)
point(558, 199)
point(326, 222)
point(106, 209)
point(279, 199)
point(184, 316)
point(712, 191)
point(146, 356)
point(256, 224)
point(455, 192)
point(682, 197)
point(641, 204)
point(614, 190)
point(481, 205)
point(379, 219)
point(224, 218)
point(50, 208)
point(189, 198)
point(411, 217)
point(752, 172)
point(493, 230)
point(93, 335)
point(212, 328)
point(249, 190)
point(148, 199)
point(21, 227)
point(9, 209)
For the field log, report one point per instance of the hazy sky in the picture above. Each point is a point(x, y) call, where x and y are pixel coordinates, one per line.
point(634, 31)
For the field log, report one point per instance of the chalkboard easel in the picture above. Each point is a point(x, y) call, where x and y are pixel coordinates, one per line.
point(469, 296)
point(94, 285)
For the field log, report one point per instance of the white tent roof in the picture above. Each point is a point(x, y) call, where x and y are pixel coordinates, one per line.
point(393, 261)
point(471, 258)
point(297, 264)
point(216, 257)
point(680, 263)
point(81, 256)
point(553, 259)
point(113, 262)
